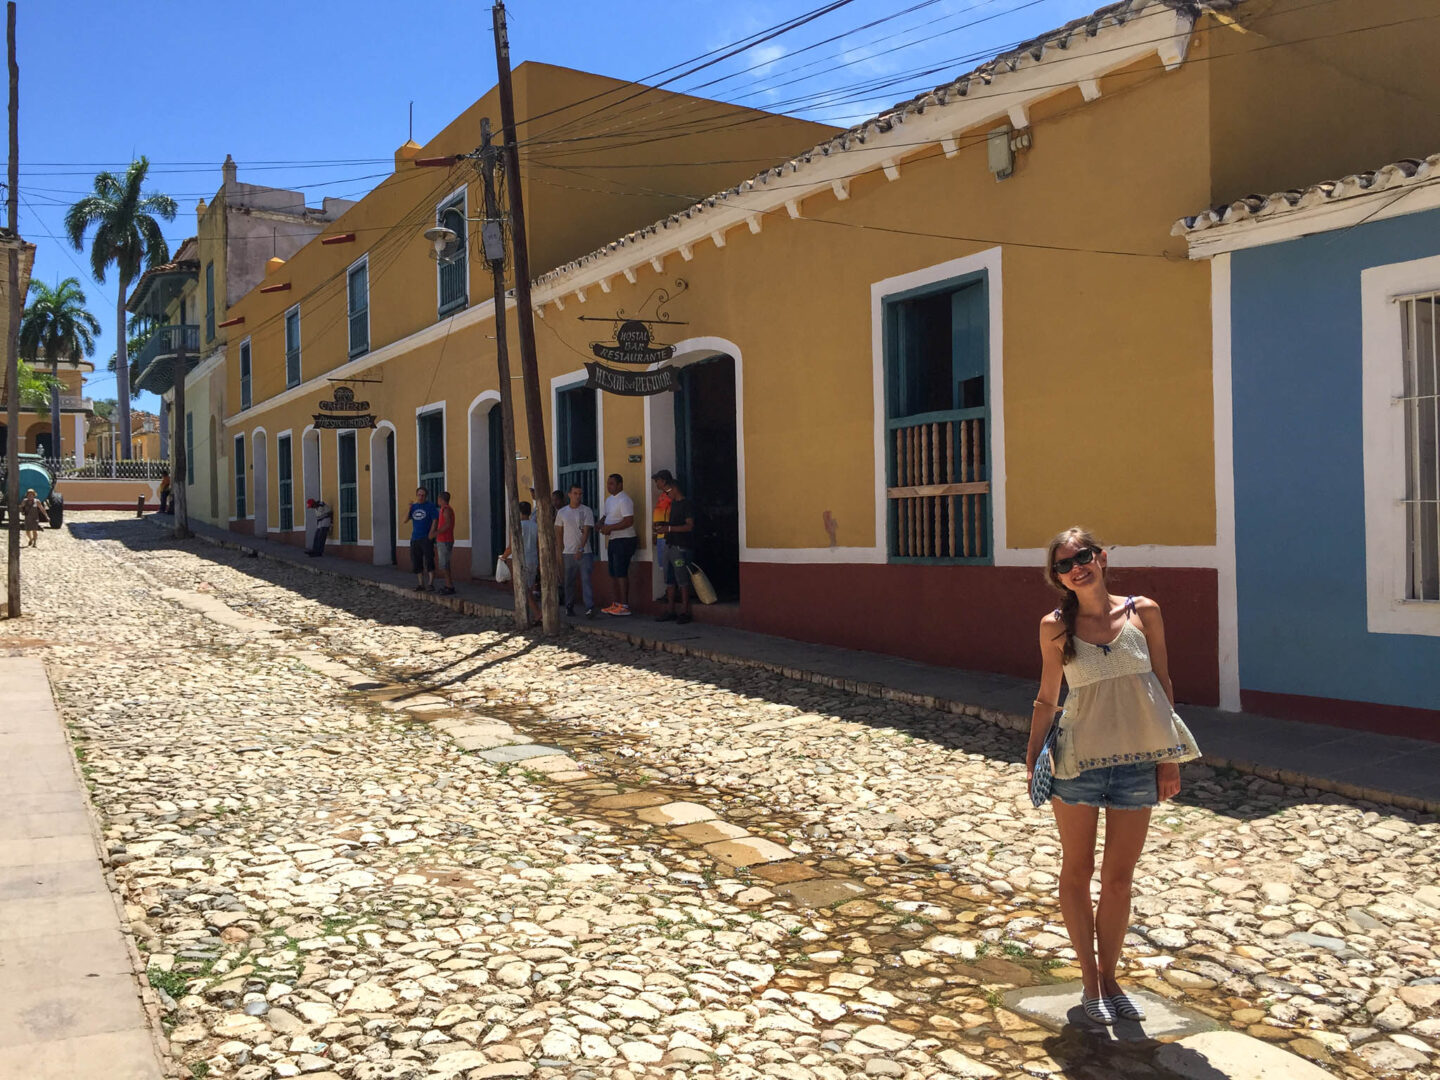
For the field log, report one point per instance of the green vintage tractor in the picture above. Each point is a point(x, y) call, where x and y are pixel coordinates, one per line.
point(34, 473)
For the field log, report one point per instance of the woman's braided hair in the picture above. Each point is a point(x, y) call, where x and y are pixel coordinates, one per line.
point(1070, 605)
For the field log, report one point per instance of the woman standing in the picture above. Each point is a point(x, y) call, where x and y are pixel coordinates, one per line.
point(30, 514)
point(1119, 748)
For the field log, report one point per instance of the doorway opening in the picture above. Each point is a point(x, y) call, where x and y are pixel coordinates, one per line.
point(577, 447)
point(707, 466)
point(260, 469)
point(382, 495)
point(310, 478)
point(349, 517)
point(487, 486)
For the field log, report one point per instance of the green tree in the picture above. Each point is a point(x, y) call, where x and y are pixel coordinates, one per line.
point(142, 329)
point(127, 236)
point(57, 323)
point(36, 387)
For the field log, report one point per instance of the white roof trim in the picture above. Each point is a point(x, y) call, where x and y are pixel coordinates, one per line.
point(1402, 187)
point(996, 91)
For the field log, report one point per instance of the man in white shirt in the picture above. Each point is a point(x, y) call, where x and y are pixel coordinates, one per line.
point(617, 524)
point(573, 526)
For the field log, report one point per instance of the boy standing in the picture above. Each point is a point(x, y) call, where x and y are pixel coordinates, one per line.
point(424, 521)
point(617, 524)
point(573, 525)
point(445, 542)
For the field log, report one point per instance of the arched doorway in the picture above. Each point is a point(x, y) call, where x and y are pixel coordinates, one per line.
point(259, 469)
point(487, 485)
point(383, 498)
point(310, 478)
point(213, 454)
point(695, 432)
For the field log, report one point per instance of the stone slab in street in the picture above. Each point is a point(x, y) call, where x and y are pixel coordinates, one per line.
point(1058, 1006)
point(677, 813)
point(748, 851)
point(504, 755)
point(1229, 1055)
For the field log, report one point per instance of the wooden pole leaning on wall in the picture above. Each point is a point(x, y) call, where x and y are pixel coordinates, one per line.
point(525, 317)
point(489, 155)
point(12, 343)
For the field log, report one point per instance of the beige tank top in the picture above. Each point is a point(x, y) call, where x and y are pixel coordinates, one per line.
point(1116, 711)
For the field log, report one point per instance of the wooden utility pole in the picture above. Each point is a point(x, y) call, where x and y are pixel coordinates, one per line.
point(488, 162)
point(12, 343)
point(179, 453)
point(525, 316)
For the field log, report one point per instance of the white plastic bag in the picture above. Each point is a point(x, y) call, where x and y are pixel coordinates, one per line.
point(502, 570)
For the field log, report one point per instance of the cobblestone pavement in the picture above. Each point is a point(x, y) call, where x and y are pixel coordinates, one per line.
point(344, 854)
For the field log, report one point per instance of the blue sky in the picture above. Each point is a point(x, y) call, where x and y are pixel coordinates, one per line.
point(317, 92)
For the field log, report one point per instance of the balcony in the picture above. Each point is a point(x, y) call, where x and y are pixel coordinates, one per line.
point(157, 373)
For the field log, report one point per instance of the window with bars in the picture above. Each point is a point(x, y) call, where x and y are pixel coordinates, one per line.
point(454, 267)
point(292, 347)
point(245, 399)
point(937, 426)
point(357, 291)
point(349, 488)
point(430, 435)
point(285, 467)
point(240, 508)
point(1420, 400)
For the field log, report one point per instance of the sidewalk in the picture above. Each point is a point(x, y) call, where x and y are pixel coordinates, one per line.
point(1358, 765)
point(69, 1003)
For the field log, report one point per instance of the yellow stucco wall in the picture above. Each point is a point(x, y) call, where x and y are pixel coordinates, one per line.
point(1107, 378)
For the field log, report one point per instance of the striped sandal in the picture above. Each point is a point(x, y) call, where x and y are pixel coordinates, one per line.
point(1098, 1009)
point(1126, 1007)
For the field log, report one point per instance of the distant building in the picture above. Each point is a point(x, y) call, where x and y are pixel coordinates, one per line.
point(238, 233)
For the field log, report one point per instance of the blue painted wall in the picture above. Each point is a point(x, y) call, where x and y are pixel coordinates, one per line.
point(1299, 472)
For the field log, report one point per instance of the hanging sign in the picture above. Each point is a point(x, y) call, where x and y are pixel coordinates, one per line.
point(342, 411)
point(629, 383)
point(634, 346)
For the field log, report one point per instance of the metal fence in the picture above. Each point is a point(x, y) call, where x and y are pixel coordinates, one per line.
point(100, 469)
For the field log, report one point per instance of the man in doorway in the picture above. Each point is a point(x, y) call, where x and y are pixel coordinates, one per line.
point(528, 565)
point(617, 525)
point(661, 480)
point(573, 525)
point(679, 534)
point(424, 522)
point(445, 542)
point(323, 518)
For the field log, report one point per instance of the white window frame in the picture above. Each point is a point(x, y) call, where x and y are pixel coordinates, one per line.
point(299, 348)
point(462, 196)
point(364, 261)
point(1382, 382)
point(247, 392)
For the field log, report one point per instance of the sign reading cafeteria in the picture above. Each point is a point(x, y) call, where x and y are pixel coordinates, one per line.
point(343, 411)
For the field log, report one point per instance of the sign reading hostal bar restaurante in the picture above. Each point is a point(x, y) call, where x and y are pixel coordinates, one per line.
point(343, 411)
point(632, 345)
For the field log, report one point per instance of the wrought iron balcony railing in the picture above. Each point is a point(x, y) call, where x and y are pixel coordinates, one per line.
point(167, 342)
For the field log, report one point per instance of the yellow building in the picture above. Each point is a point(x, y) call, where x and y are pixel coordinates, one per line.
point(897, 358)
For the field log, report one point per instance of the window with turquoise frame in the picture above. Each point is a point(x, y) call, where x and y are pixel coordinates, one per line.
point(937, 430)
point(245, 398)
point(292, 347)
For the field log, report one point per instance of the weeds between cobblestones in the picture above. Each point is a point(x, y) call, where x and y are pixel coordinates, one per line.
point(323, 882)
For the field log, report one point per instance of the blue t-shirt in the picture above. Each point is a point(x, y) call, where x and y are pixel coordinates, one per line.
point(422, 516)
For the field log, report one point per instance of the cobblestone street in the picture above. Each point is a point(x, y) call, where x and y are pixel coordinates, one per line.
point(364, 837)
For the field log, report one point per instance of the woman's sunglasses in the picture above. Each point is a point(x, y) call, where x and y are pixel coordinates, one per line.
point(1083, 557)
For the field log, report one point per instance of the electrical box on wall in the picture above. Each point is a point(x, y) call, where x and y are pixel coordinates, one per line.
point(1001, 146)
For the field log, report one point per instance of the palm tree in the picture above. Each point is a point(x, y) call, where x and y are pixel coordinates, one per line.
point(58, 324)
point(126, 234)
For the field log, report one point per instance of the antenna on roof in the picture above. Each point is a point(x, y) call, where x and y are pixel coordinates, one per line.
point(412, 122)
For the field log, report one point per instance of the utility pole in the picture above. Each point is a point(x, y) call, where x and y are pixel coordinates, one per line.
point(529, 365)
point(12, 343)
point(180, 452)
point(496, 258)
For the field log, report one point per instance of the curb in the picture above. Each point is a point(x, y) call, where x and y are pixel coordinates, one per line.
point(1012, 721)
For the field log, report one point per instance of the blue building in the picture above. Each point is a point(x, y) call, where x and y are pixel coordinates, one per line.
point(1326, 322)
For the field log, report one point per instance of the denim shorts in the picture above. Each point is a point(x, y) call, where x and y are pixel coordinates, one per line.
point(1115, 787)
